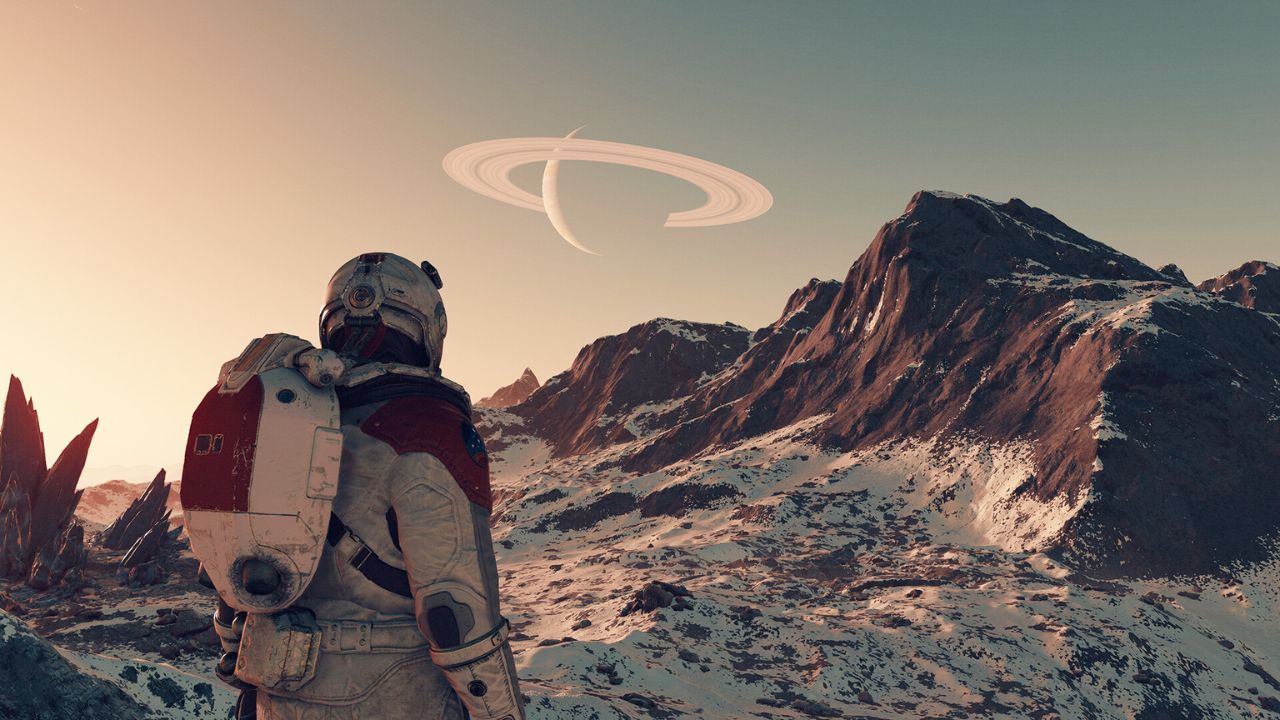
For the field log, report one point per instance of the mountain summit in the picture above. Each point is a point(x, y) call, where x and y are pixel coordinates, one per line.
point(514, 393)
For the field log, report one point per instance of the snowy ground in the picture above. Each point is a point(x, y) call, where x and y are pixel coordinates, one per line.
point(899, 582)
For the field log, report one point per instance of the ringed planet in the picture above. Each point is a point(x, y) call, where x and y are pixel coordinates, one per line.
point(485, 167)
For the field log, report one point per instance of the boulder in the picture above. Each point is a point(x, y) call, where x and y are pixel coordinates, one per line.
point(654, 596)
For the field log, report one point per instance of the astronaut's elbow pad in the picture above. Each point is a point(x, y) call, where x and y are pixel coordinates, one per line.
point(483, 675)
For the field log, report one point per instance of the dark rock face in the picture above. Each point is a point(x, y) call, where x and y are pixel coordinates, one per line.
point(513, 394)
point(1174, 273)
point(1254, 285)
point(41, 685)
point(592, 404)
point(1153, 407)
point(68, 565)
point(143, 528)
point(680, 499)
point(145, 562)
point(141, 515)
point(39, 540)
point(62, 562)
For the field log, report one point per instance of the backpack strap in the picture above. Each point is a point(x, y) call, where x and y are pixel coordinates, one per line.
point(363, 558)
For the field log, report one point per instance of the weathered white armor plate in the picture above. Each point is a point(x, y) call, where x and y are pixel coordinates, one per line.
point(258, 482)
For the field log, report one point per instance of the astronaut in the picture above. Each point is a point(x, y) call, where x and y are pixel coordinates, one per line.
point(404, 603)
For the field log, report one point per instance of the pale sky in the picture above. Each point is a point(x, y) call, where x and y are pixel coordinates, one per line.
point(177, 178)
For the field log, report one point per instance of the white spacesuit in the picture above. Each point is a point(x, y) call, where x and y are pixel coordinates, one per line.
point(401, 619)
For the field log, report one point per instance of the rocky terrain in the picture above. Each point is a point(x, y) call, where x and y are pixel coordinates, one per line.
point(854, 584)
point(1000, 470)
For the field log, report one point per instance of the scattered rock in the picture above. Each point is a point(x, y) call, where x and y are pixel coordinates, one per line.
point(653, 596)
point(639, 700)
point(189, 622)
point(814, 709)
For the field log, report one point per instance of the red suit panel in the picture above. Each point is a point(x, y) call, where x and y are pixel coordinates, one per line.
point(435, 426)
point(220, 445)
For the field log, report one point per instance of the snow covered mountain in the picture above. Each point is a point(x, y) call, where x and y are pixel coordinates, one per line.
point(1002, 470)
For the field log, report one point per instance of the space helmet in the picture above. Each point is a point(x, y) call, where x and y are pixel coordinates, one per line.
point(385, 308)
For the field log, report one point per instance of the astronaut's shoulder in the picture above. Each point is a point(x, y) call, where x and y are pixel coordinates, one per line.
point(417, 424)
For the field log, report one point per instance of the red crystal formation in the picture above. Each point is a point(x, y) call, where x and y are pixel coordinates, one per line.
point(40, 541)
point(143, 529)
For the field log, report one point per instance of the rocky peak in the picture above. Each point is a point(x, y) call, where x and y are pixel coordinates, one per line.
point(1175, 273)
point(1255, 284)
point(513, 394)
point(650, 364)
point(969, 233)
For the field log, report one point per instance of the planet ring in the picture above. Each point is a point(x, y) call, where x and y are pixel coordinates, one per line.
point(485, 167)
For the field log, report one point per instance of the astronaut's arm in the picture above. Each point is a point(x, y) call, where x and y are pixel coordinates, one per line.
point(448, 553)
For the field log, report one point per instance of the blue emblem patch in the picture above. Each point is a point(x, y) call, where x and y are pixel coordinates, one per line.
point(474, 444)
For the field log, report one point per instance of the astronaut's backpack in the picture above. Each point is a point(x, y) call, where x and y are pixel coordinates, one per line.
point(259, 478)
